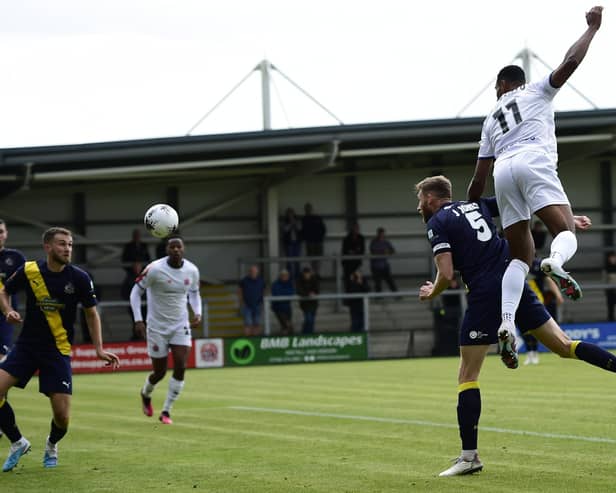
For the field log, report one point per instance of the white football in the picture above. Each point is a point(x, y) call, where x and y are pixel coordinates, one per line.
point(161, 220)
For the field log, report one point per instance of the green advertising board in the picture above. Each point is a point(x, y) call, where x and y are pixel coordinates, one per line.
point(295, 349)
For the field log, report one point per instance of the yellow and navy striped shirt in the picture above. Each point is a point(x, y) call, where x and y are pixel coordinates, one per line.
point(51, 303)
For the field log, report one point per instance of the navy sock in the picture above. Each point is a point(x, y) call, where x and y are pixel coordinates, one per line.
point(469, 410)
point(594, 355)
point(7, 421)
point(56, 433)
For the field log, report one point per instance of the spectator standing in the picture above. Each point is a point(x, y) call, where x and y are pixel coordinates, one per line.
point(135, 256)
point(308, 286)
point(352, 244)
point(610, 278)
point(313, 234)
point(356, 285)
point(135, 251)
point(380, 268)
point(291, 240)
point(127, 285)
point(283, 286)
point(250, 295)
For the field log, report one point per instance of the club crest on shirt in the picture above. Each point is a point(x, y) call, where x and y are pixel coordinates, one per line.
point(9, 261)
point(69, 288)
point(186, 282)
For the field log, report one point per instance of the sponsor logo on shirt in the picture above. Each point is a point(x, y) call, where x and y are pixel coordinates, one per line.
point(50, 305)
point(476, 334)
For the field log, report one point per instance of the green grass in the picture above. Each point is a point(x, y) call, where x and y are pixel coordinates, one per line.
point(212, 447)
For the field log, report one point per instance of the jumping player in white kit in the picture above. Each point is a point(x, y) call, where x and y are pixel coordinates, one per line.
point(169, 283)
point(518, 137)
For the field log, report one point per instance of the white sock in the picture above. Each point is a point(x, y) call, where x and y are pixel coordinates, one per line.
point(148, 388)
point(512, 286)
point(175, 387)
point(468, 455)
point(563, 247)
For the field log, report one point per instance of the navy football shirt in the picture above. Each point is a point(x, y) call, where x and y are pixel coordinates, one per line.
point(66, 289)
point(10, 261)
point(467, 231)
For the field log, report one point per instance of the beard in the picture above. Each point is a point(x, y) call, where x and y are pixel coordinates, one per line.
point(61, 260)
point(426, 215)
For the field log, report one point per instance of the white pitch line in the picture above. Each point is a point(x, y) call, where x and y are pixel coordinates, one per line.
point(418, 422)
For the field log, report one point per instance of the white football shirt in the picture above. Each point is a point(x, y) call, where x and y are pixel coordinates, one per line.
point(167, 290)
point(522, 120)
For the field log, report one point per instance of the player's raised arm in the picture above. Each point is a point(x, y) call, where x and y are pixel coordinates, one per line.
point(577, 52)
point(478, 182)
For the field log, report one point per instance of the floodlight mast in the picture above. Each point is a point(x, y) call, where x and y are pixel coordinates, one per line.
point(525, 56)
point(266, 102)
point(266, 68)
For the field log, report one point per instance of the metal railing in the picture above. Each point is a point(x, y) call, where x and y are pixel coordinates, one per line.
point(336, 262)
point(365, 297)
point(103, 305)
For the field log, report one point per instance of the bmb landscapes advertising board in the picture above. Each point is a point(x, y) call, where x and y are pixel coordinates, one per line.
point(246, 351)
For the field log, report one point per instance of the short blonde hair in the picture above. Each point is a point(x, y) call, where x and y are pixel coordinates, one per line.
point(439, 185)
point(50, 234)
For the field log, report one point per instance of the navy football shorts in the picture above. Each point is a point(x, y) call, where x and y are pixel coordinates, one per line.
point(483, 315)
point(6, 337)
point(55, 374)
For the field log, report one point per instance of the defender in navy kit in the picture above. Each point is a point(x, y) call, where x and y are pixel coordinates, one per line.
point(10, 261)
point(463, 238)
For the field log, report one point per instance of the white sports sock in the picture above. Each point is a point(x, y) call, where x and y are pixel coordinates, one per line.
point(563, 247)
point(512, 286)
point(148, 387)
point(468, 455)
point(175, 387)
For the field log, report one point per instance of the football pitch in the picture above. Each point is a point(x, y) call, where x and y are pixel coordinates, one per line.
point(343, 427)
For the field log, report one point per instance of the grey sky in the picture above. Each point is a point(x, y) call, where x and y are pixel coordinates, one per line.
point(82, 71)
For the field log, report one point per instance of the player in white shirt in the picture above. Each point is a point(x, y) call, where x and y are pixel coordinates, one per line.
point(169, 283)
point(518, 137)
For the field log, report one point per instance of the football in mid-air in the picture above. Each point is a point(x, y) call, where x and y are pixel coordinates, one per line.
point(161, 220)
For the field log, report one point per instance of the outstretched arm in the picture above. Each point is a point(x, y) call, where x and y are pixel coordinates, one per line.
point(577, 52)
point(478, 182)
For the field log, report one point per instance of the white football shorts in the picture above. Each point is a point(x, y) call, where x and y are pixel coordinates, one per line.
point(159, 342)
point(524, 183)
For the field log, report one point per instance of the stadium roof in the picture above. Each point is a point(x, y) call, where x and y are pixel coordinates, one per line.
point(279, 154)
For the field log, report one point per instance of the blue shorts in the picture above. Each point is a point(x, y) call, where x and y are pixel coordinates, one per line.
point(55, 374)
point(6, 337)
point(252, 315)
point(483, 315)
